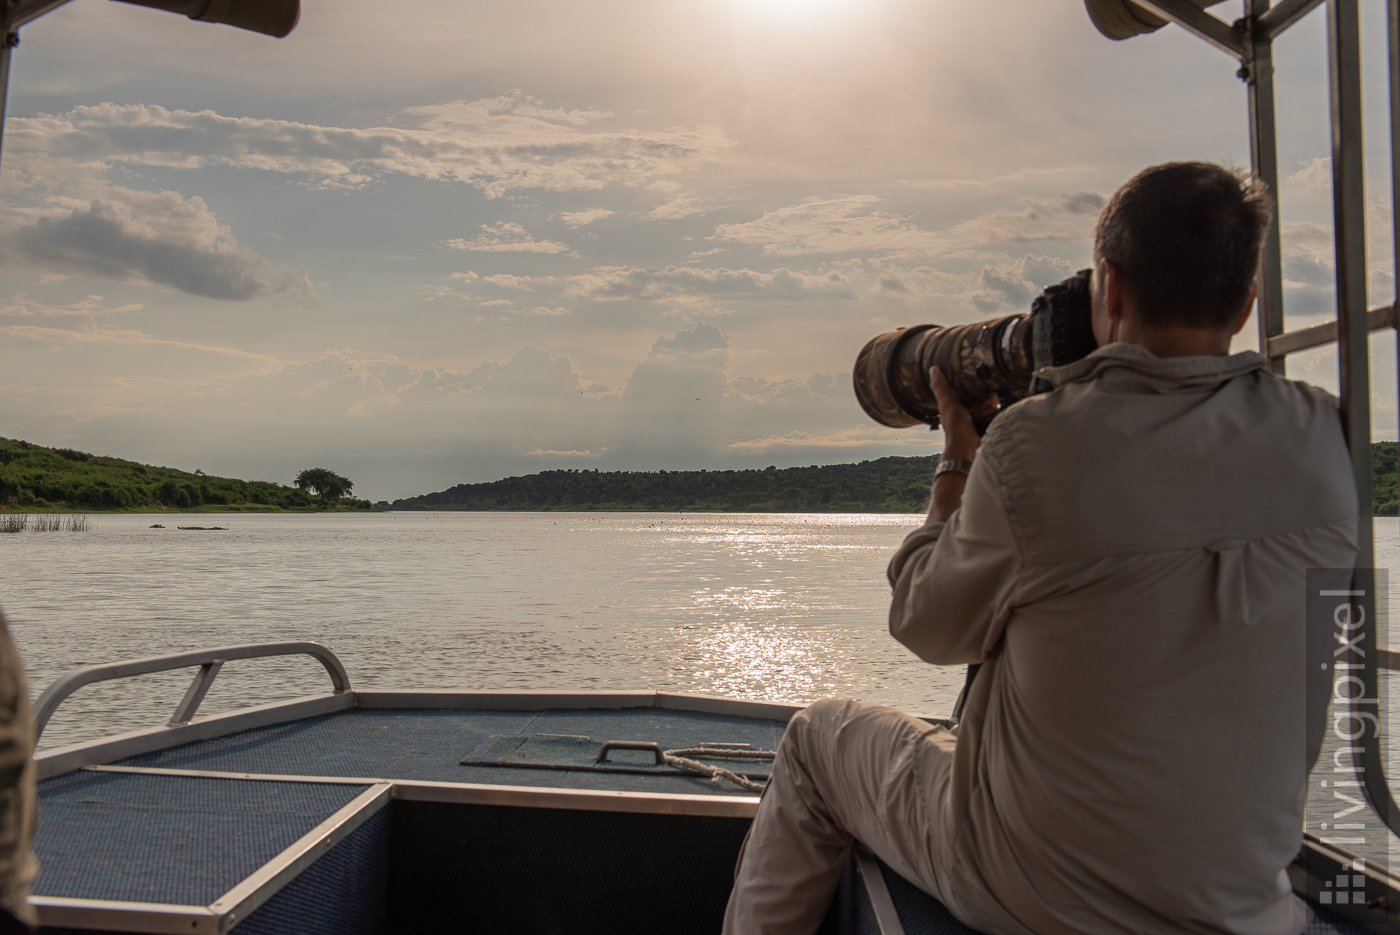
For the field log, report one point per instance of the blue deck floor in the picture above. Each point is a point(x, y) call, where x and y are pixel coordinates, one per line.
point(429, 745)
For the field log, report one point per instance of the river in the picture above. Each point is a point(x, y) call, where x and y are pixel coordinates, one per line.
point(783, 606)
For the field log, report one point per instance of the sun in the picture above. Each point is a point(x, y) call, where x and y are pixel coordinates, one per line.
point(795, 8)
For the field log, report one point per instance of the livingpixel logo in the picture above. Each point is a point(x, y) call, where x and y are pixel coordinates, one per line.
point(1342, 606)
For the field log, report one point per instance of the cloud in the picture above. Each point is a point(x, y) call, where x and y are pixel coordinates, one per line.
point(859, 437)
point(847, 225)
point(159, 238)
point(508, 237)
point(680, 407)
point(605, 283)
point(684, 206)
point(1301, 265)
point(89, 307)
point(507, 281)
point(498, 144)
point(830, 226)
point(1315, 176)
point(1014, 285)
point(584, 218)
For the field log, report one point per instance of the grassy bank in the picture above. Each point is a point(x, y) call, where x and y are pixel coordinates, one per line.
point(35, 479)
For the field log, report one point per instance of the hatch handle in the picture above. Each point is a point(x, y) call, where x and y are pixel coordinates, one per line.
point(631, 745)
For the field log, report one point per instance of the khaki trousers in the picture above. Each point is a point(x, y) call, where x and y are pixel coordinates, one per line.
point(845, 770)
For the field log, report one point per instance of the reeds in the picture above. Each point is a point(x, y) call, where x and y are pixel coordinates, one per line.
point(46, 522)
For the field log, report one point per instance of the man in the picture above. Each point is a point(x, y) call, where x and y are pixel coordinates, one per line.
point(1126, 559)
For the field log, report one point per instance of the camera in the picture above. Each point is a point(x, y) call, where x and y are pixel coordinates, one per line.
point(998, 357)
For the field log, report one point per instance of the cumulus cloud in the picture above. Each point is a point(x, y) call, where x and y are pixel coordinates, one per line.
point(508, 237)
point(1013, 285)
point(1301, 265)
point(1315, 176)
point(584, 218)
point(499, 145)
point(159, 238)
point(605, 283)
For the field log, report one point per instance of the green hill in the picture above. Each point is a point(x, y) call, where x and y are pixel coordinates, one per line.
point(35, 478)
point(886, 485)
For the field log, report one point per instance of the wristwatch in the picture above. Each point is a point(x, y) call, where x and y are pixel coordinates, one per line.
point(951, 466)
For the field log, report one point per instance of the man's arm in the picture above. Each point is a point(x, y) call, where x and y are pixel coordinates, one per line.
point(953, 577)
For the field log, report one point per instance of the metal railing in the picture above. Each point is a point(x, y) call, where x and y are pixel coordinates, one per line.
point(210, 661)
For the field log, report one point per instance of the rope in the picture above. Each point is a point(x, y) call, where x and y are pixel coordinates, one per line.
point(680, 759)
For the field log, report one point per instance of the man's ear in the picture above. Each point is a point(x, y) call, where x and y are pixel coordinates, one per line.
point(1107, 302)
point(1248, 307)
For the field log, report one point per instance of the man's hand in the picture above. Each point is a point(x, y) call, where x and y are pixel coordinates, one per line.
point(960, 442)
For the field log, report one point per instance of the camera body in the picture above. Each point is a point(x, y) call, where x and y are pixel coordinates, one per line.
point(999, 357)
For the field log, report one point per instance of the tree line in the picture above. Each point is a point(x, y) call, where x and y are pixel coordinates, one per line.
point(884, 485)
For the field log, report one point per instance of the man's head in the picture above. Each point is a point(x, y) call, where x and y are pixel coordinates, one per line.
point(1176, 250)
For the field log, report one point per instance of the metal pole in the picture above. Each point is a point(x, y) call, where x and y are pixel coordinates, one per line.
point(1349, 230)
point(1258, 73)
point(9, 38)
point(1392, 23)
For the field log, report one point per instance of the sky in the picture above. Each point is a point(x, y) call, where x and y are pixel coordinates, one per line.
point(432, 242)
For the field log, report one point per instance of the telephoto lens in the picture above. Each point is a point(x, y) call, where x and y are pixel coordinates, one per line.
point(997, 357)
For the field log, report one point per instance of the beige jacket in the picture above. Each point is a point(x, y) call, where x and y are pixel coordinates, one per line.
point(1129, 562)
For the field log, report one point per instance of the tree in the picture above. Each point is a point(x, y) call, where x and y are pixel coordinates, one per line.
point(325, 483)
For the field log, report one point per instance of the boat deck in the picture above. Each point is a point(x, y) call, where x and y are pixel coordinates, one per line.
point(379, 813)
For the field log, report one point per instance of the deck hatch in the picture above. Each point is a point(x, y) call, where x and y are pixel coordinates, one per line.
point(581, 752)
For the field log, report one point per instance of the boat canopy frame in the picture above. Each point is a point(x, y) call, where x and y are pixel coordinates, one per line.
point(1249, 40)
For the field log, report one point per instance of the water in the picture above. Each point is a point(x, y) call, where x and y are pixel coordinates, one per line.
point(786, 607)
point(779, 606)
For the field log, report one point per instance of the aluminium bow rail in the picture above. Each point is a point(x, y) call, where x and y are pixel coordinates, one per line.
point(210, 661)
point(1249, 40)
